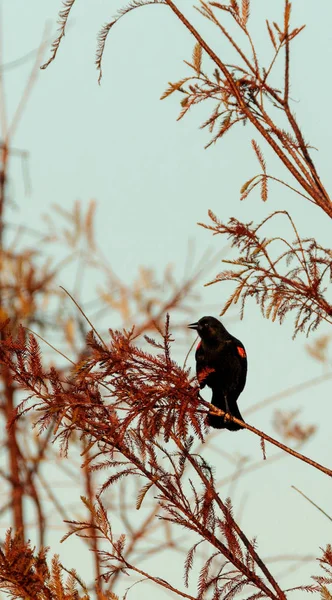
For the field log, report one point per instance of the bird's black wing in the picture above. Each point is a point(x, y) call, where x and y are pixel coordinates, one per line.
point(201, 365)
point(239, 363)
point(224, 368)
point(228, 383)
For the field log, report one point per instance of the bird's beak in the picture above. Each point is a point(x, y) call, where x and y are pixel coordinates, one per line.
point(193, 326)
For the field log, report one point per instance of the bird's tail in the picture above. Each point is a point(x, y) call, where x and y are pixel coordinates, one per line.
point(217, 422)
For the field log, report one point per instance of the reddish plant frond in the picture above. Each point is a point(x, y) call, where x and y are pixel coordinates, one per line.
point(103, 35)
point(189, 562)
point(227, 527)
point(25, 573)
point(34, 358)
point(264, 188)
point(262, 271)
point(325, 581)
point(290, 428)
point(271, 34)
point(174, 87)
point(245, 12)
point(255, 596)
point(123, 406)
point(203, 578)
point(138, 413)
point(197, 58)
point(262, 443)
point(243, 89)
point(62, 22)
point(259, 155)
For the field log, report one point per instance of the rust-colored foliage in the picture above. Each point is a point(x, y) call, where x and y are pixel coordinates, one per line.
point(26, 574)
point(243, 92)
point(246, 91)
point(325, 581)
point(290, 429)
point(281, 275)
point(138, 414)
point(141, 385)
point(31, 299)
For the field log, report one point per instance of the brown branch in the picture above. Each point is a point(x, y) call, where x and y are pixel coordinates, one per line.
point(286, 33)
point(206, 533)
point(52, 497)
point(159, 581)
point(304, 150)
point(261, 434)
point(90, 494)
point(312, 502)
point(136, 536)
point(272, 178)
point(63, 18)
point(320, 199)
point(196, 524)
point(33, 493)
point(17, 491)
point(29, 85)
point(3, 107)
point(238, 530)
point(229, 37)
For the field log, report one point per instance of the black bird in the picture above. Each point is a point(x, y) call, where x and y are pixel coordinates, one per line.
point(221, 363)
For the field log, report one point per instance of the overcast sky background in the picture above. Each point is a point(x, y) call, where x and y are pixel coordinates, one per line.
point(153, 181)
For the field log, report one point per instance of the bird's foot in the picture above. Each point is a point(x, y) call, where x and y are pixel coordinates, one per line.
point(227, 416)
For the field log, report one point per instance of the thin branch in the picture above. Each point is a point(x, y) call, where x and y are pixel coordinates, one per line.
point(286, 33)
point(62, 22)
point(311, 502)
point(29, 85)
point(248, 545)
point(261, 434)
point(85, 316)
point(320, 198)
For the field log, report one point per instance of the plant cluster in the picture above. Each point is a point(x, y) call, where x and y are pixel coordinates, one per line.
point(136, 415)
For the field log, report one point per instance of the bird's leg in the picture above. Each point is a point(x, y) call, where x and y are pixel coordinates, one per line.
point(228, 412)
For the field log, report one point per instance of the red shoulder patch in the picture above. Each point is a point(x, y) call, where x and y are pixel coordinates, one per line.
point(241, 351)
point(199, 345)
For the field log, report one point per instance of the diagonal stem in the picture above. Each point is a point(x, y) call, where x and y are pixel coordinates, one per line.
point(321, 199)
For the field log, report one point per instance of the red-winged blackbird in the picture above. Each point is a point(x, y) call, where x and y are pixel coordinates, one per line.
point(221, 363)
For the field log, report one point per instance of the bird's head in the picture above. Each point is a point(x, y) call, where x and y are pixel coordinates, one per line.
point(209, 328)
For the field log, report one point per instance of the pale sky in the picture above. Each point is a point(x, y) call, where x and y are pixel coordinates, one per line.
point(153, 181)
